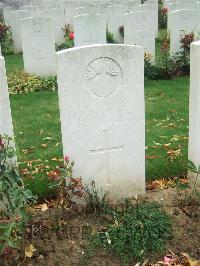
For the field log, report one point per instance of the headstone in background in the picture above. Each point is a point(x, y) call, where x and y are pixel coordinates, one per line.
point(137, 31)
point(15, 23)
point(58, 16)
point(181, 22)
point(7, 13)
point(89, 29)
point(115, 21)
point(38, 43)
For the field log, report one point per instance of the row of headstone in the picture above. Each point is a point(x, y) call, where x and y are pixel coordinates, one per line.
point(114, 16)
point(101, 102)
point(105, 106)
point(39, 52)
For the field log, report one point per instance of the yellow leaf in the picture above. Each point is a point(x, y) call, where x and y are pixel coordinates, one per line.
point(191, 261)
point(44, 207)
point(44, 145)
point(29, 251)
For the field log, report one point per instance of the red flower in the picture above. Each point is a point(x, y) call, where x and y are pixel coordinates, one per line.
point(66, 158)
point(71, 35)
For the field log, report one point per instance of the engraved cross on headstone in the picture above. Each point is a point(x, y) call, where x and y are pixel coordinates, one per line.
point(107, 149)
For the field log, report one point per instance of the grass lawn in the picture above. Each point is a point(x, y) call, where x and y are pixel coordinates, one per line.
point(14, 62)
point(38, 137)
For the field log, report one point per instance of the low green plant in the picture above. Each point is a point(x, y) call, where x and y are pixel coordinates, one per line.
point(194, 196)
point(169, 66)
point(96, 199)
point(20, 82)
point(69, 39)
point(110, 37)
point(68, 188)
point(150, 70)
point(14, 198)
point(136, 232)
point(181, 60)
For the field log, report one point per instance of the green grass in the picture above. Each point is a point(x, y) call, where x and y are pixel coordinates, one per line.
point(36, 117)
point(14, 62)
point(166, 123)
point(38, 137)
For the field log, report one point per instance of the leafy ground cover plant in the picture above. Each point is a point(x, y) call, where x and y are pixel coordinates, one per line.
point(96, 198)
point(68, 188)
point(14, 198)
point(193, 197)
point(20, 82)
point(135, 232)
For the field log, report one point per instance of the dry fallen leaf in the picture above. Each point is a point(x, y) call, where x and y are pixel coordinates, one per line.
point(190, 261)
point(29, 251)
point(44, 145)
point(44, 207)
point(47, 138)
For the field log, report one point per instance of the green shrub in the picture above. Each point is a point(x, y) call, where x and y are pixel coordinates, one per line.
point(5, 38)
point(169, 66)
point(69, 39)
point(162, 18)
point(20, 82)
point(138, 232)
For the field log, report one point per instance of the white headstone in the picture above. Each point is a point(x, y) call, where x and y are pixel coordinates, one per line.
point(115, 21)
point(153, 13)
point(137, 30)
point(7, 13)
point(181, 22)
point(15, 23)
point(6, 127)
point(70, 12)
point(89, 29)
point(101, 103)
point(58, 16)
point(95, 9)
point(38, 43)
point(194, 106)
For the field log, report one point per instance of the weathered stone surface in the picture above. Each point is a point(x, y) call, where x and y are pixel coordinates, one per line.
point(38, 43)
point(101, 103)
point(89, 29)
